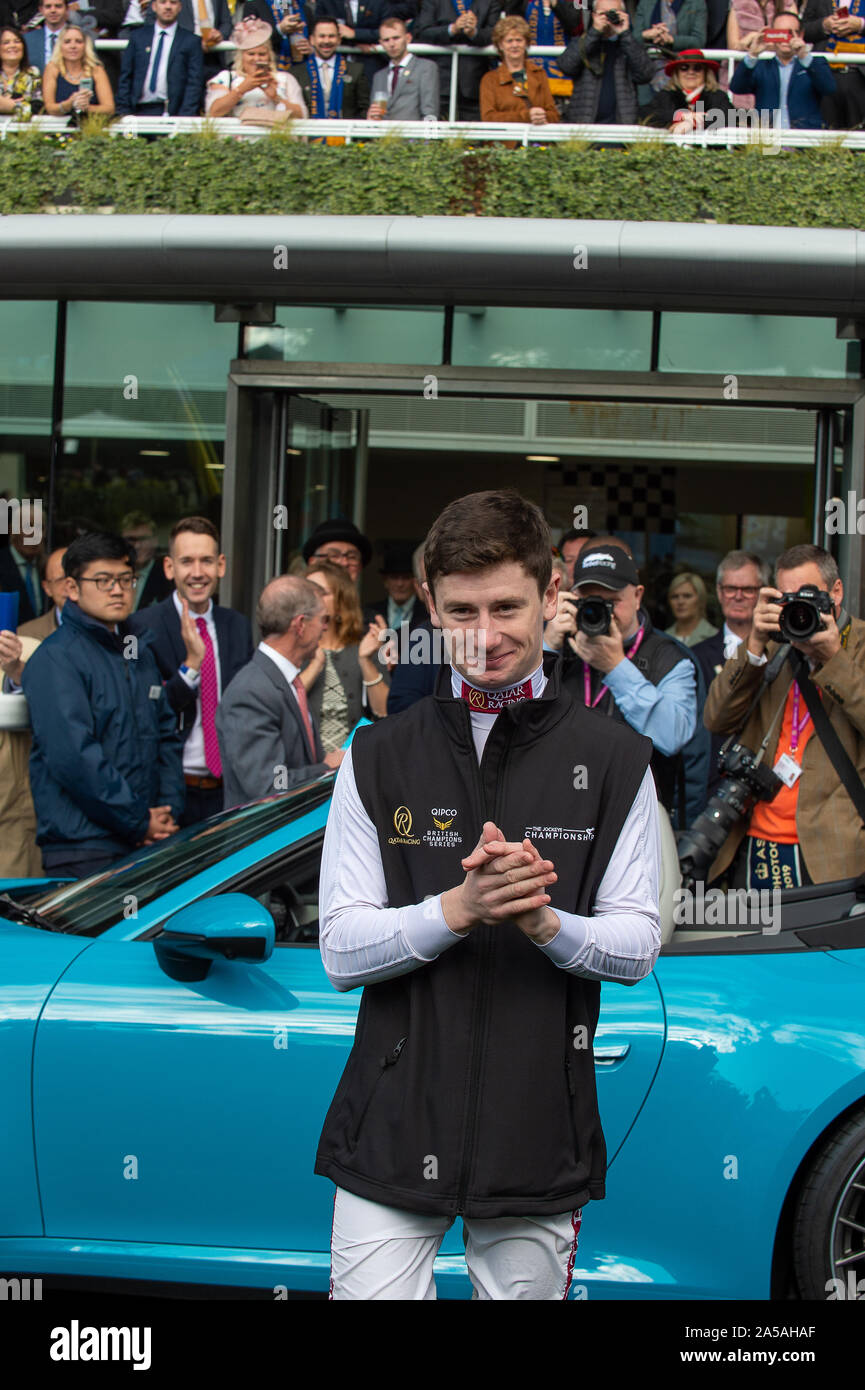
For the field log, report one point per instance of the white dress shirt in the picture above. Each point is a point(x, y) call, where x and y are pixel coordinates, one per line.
point(161, 83)
point(288, 668)
point(732, 643)
point(50, 46)
point(325, 73)
point(194, 761)
point(362, 940)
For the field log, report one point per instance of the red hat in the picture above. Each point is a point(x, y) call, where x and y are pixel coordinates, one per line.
point(688, 57)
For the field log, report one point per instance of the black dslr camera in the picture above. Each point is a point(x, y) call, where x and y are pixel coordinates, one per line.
point(745, 782)
point(613, 16)
point(800, 613)
point(593, 616)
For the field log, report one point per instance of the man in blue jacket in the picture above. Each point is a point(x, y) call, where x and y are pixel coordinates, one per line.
point(787, 87)
point(105, 767)
point(163, 69)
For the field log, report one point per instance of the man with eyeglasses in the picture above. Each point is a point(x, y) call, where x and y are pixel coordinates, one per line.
point(342, 543)
point(105, 768)
point(738, 581)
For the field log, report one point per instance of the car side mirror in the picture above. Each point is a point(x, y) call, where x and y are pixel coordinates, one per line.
point(232, 926)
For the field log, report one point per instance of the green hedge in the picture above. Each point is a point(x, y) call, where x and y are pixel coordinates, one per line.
point(205, 173)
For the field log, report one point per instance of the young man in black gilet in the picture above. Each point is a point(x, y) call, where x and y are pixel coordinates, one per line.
point(491, 855)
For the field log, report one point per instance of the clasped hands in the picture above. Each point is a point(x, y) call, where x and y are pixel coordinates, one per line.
point(505, 881)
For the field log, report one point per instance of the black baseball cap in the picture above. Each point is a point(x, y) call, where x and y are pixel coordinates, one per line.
point(608, 565)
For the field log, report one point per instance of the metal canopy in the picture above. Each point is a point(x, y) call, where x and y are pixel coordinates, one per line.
point(435, 260)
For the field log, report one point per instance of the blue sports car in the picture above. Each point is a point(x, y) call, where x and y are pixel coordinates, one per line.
point(169, 1044)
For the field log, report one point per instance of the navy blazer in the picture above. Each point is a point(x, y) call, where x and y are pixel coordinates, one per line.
point(185, 72)
point(34, 42)
point(162, 621)
point(807, 86)
point(370, 14)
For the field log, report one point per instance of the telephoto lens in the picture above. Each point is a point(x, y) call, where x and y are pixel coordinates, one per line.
point(746, 781)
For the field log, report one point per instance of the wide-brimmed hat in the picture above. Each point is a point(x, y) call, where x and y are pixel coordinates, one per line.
point(251, 33)
point(607, 565)
point(687, 58)
point(337, 530)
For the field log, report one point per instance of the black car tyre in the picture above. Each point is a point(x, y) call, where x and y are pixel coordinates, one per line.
point(829, 1222)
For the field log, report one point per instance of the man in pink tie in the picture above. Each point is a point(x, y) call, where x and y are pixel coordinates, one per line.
point(268, 741)
point(200, 646)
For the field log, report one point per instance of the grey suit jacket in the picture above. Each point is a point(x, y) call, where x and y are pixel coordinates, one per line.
point(417, 90)
point(260, 733)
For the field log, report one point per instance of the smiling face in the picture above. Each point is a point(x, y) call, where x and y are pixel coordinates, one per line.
point(691, 75)
point(502, 606)
point(11, 50)
point(325, 38)
point(195, 565)
point(256, 60)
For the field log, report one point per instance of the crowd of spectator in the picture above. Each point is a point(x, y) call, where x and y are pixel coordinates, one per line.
point(151, 707)
point(622, 63)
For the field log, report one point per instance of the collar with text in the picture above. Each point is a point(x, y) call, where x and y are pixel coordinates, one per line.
point(491, 701)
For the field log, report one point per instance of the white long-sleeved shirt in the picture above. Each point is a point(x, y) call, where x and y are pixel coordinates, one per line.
point(363, 940)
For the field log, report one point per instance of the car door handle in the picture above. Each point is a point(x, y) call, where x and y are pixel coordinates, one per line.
point(606, 1056)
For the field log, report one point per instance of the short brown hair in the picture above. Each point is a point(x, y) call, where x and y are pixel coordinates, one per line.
point(198, 525)
point(509, 24)
point(348, 621)
point(393, 23)
point(809, 555)
point(484, 529)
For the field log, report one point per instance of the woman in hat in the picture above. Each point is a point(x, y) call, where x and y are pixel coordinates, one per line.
point(255, 91)
point(343, 680)
point(692, 92)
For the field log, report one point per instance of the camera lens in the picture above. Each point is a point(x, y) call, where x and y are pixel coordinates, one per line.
point(593, 617)
point(799, 620)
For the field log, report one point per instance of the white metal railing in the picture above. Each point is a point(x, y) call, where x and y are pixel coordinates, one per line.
point(454, 53)
point(728, 55)
point(475, 131)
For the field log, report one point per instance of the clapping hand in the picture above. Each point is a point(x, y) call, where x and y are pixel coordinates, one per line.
point(505, 881)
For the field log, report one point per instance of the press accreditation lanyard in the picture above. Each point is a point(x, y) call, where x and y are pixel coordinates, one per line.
point(587, 678)
point(798, 725)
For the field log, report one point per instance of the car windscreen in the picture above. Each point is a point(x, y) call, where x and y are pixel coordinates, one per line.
point(91, 905)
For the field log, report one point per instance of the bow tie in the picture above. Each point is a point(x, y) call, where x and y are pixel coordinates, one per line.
point(491, 701)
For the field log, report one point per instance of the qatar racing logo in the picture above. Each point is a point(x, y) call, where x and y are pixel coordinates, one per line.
point(402, 824)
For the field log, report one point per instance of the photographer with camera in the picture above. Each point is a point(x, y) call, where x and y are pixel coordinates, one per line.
point(615, 662)
point(784, 843)
point(606, 63)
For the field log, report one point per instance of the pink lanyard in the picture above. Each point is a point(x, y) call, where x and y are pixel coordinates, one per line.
point(587, 679)
point(797, 724)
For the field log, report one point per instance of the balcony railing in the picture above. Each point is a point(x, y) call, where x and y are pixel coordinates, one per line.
point(472, 130)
